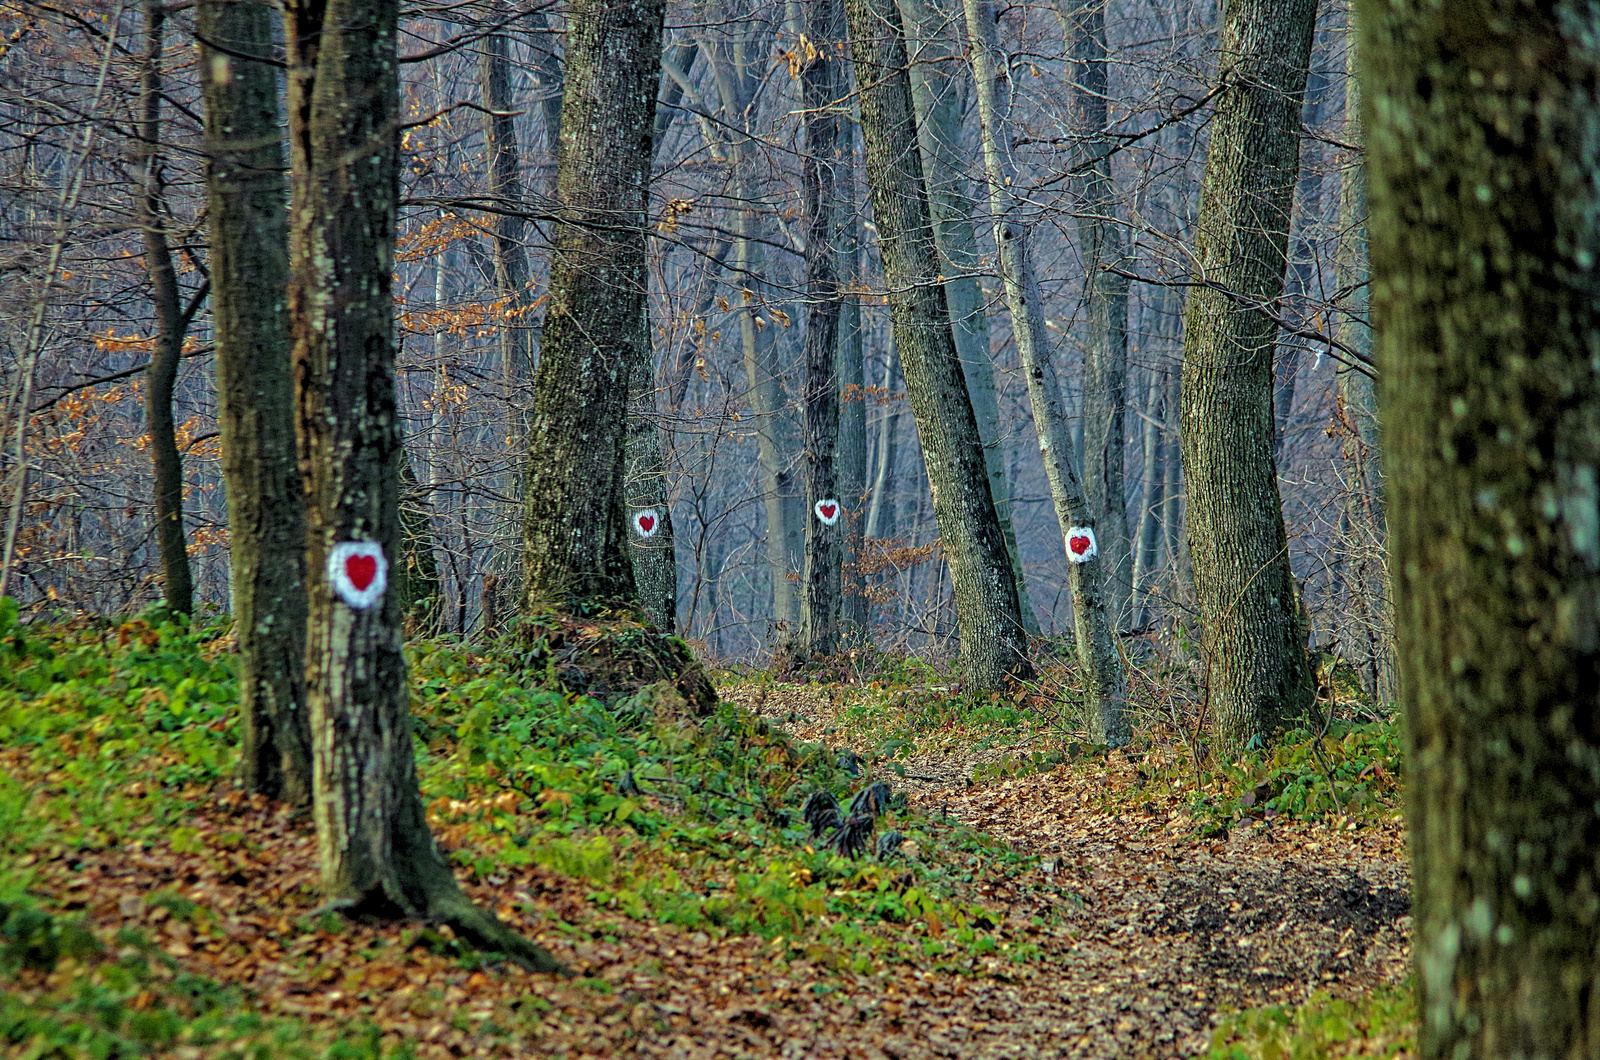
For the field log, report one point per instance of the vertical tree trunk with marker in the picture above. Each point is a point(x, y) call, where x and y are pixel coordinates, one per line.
point(1105, 248)
point(820, 102)
point(1483, 148)
point(655, 566)
point(596, 336)
point(993, 640)
point(249, 243)
point(1096, 636)
point(171, 324)
point(1258, 676)
point(373, 844)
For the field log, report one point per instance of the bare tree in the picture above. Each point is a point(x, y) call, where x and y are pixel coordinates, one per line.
point(1255, 639)
point(249, 261)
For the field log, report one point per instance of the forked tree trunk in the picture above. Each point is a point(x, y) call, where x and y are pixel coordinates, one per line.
point(171, 324)
point(826, 522)
point(373, 844)
point(1483, 150)
point(1096, 636)
point(248, 208)
point(596, 339)
point(1255, 641)
point(993, 640)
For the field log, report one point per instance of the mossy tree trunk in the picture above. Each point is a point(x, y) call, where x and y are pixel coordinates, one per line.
point(596, 338)
point(821, 102)
point(1257, 670)
point(1484, 144)
point(249, 261)
point(993, 640)
point(172, 322)
point(374, 848)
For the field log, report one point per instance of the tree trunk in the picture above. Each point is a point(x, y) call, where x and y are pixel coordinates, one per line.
point(826, 525)
point(1483, 149)
point(373, 845)
point(596, 337)
point(171, 323)
point(1105, 368)
point(655, 563)
point(1257, 671)
point(1105, 683)
point(993, 639)
point(248, 208)
point(938, 90)
point(503, 162)
point(853, 458)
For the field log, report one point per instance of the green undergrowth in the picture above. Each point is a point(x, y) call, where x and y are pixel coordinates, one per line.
point(665, 814)
point(1381, 1024)
point(1355, 773)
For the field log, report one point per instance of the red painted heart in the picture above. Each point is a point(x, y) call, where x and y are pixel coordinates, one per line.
point(827, 510)
point(1079, 545)
point(647, 523)
point(361, 570)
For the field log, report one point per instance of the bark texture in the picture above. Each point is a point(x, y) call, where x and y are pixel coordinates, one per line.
point(1483, 127)
point(1105, 684)
point(655, 565)
point(249, 261)
point(596, 335)
point(1257, 671)
point(171, 324)
point(820, 92)
point(374, 848)
point(1105, 249)
point(939, 91)
point(993, 640)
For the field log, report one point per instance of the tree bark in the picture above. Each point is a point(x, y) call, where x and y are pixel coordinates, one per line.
point(171, 324)
point(1255, 642)
point(249, 261)
point(503, 162)
point(596, 337)
point(1482, 147)
point(1105, 368)
point(1105, 682)
point(373, 844)
point(993, 639)
point(938, 90)
point(655, 564)
point(820, 99)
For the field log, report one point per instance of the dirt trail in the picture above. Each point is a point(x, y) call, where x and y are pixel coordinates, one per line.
point(1161, 929)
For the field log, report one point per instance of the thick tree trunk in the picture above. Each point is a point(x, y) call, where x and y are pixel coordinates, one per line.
point(1483, 148)
point(373, 844)
point(171, 323)
point(993, 639)
point(827, 524)
point(596, 337)
point(248, 208)
point(938, 90)
point(1255, 642)
point(1105, 369)
point(1105, 682)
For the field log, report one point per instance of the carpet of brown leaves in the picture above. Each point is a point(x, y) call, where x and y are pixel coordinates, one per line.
point(1154, 933)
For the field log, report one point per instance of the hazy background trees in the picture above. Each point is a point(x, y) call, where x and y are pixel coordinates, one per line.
point(1112, 198)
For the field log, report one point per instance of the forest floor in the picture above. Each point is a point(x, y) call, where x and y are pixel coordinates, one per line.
point(1092, 905)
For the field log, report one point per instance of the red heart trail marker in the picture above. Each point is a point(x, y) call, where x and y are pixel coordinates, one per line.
point(361, 570)
point(358, 572)
point(647, 522)
point(827, 511)
point(1081, 545)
